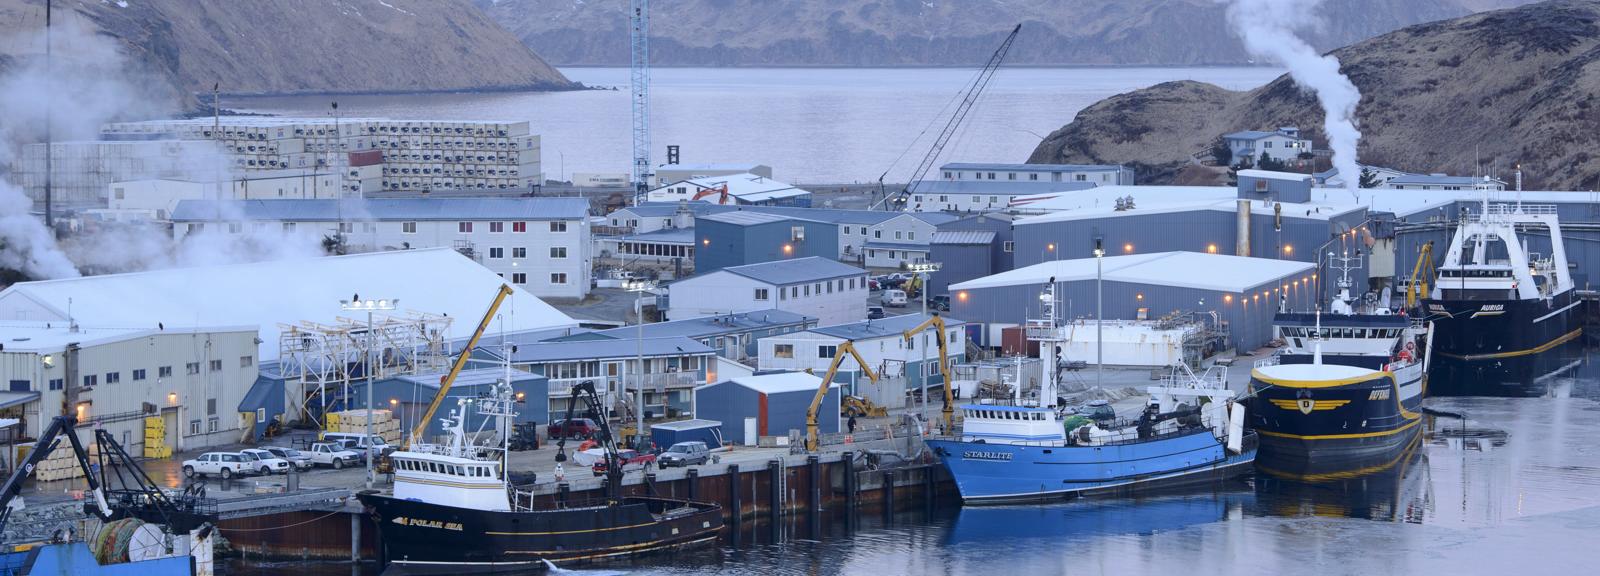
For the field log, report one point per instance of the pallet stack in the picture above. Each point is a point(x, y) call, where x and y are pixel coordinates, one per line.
point(155, 438)
point(384, 424)
point(61, 464)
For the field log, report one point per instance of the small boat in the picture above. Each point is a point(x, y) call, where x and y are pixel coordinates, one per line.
point(1347, 386)
point(453, 511)
point(1191, 431)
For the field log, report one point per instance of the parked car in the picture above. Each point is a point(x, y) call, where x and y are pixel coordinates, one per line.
point(361, 442)
point(333, 454)
point(575, 428)
point(630, 457)
point(873, 285)
point(940, 303)
point(266, 462)
point(684, 454)
point(224, 464)
point(875, 312)
point(300, 460)
point(894, 297)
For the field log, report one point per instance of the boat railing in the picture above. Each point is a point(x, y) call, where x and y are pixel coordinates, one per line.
point(1265, 362)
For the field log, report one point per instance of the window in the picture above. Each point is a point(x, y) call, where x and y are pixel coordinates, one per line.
point(369, 227)
point(519, 278)
point(1267, 144)
point(138, 374)
point(216, 365)
point(946, 177)
point(211, 424)
point(235, 227)
point(893, 254)
point(975, 198)
point(196, 228)
point(464, 227)
point(846, 230)
point(852, 283)
point(519, 227)
point(877, 234)
point(558, 251)
point(912, 234)
point(246, 361)
point(408, 227)
point(558, 226)
point(194, 427)
point(558, 278)
point(519, 252)
point(830, 287)
point(761, 294)
point(56, 384)
point(1034, 176)
point(497, 227)
point(1008, 246)
point(211, 406)
point(783, 350)
point(996, 199)
point(496, 252)
point(807, 289)
point(991, 175)
point(899, 235)
point(782, 294)
point(164, 372)
point(1011, 176)
point(89, 380)
point(797, 233)
point(344, 227)
point(288, 226)
point(1080, 177)
point(827, 351)
point(20, 385)
point(794, 291)
point(113, 377)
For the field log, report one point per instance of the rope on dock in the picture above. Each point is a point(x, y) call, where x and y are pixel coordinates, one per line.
point(279, 527)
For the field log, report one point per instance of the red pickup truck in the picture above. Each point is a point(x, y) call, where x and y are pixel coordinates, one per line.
point(629, 457)
point(574, 428)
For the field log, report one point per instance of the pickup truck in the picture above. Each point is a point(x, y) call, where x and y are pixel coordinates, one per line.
point(629, 457)
point(266, 462)
point(224, 464)
point(330, 454)
point(300, 460)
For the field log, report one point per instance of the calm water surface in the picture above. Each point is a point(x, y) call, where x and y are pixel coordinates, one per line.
point(1514, 488)
point(811, 125)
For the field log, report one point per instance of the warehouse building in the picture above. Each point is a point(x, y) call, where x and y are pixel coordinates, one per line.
point(158, 198)
point(541, 245)
point(741, 238)
point(902, 365)
point(972, 247)
point(116, 376)
point(1096, 174)
point(967, 196)
point(831, 292)
point(1239, 293)
point(743, 189)
point(767, 405)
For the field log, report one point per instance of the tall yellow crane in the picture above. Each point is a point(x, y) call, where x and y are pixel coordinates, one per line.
point(944, 364)
point(1424, 264)
point(847, 347)
point(455, 370)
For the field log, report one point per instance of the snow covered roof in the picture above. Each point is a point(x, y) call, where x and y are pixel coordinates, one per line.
point(782, 382)
point(1198, 270)
point(1101, 203)
point(302, 210)
point(893, 326)
point(43, 337)
point(750, 218)
point(263, 294)
point(1276, 175)
point(984, 237)
point(746, 187)
point(798, 270)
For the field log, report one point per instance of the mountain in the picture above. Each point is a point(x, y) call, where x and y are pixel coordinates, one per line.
point(292, 46)
point(924, 33)
point(1496, 88)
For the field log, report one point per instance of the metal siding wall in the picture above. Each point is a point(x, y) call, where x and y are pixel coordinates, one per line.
point(1189, 231)
point(724, 249)
point(958, 263)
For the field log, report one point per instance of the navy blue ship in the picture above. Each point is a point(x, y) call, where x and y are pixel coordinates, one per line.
point(1502, 311)
point(1347, 386)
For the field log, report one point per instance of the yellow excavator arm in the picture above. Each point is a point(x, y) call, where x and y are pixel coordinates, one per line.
point(847, 347)
point(1424, 264)
point(944, 364)
point(455, 370)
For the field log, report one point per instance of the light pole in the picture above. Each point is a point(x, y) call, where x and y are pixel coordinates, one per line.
point(368, 306)
point(1099, 318)
point(639, 287)
point(923, 269)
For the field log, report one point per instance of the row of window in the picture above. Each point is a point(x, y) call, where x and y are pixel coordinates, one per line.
point(520, 252)
point(802, 290)
point(521, 278)
point(466, 470)
point(466, 227)
point(827, 352)
point(1032, 176)
point(212, 424)
point(1006, 415)
point(556, 226)
point(1297, 332)
point(138, 375)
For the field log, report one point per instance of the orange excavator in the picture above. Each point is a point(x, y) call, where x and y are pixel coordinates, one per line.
point(722, 190)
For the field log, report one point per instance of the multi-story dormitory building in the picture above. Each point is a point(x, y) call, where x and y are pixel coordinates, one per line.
point(370, 154)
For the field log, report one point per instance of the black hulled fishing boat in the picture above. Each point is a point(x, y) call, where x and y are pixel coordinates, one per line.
point(1503, 312)
point(453, 512)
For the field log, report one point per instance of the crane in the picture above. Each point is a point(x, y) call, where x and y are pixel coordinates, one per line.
point(585, 391)
point(937, 323)
point(968, 98)
point(455, 370)
point(847, 347)
point(47, 443)
point(639, 82)
point(1423, 259)
point(720, 190)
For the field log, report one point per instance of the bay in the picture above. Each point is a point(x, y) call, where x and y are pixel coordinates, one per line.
point(812, 125)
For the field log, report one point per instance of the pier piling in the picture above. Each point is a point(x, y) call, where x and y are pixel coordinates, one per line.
point(888, 495)
point(775, 476)
point(734, 505)
point(694, 483)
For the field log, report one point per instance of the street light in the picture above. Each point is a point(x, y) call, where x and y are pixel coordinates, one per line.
point(369, 306)
point(639, 287)
point(922, 270)
point(1099, 318)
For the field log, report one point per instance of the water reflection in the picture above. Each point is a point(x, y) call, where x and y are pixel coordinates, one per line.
point(1392, 488)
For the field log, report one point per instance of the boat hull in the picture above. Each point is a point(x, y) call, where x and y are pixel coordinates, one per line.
point(1331, 422)
point(75, 559)
point(994, 473)
point(422, 538)
point(1496, 347)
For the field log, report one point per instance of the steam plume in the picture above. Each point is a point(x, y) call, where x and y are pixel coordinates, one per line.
point(1268, 28)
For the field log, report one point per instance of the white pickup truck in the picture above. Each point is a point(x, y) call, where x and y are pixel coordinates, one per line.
point(331, 454)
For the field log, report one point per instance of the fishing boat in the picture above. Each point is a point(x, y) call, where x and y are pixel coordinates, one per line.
point(453, 511)
point(1191, 431)
point(1502, 310)
point(1347, 385)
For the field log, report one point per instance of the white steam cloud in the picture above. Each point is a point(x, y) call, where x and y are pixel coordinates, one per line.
point(89, 83)
point(1268, 28)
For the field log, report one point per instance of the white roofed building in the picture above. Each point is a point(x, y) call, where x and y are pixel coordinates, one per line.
point(743, 189)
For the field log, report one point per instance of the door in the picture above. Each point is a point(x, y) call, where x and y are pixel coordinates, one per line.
point(170, 415)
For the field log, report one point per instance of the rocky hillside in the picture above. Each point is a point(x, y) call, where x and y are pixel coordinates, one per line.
point(914, 32)
point(295, 46)
point(1509, 86)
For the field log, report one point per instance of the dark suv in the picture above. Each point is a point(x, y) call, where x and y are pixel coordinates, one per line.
point(574, 428)
point(940, 303)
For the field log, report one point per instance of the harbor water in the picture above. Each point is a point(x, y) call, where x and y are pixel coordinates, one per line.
point(812, 125)
point(1511, 485)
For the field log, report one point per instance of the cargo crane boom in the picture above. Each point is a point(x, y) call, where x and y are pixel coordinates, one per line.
point(585, 391)
point(1424, 264)
point(847, 347)
point(944, 364)
point(47, 443)
point(968, 99)
point(455, 370)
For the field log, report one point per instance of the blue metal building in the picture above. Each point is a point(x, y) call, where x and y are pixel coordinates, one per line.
point(778, 403)
point(745, 237)
point(972, 247)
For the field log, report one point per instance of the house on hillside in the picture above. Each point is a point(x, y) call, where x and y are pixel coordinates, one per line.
point(1283, 144)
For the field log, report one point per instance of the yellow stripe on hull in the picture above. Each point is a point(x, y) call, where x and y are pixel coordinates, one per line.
point(1403, 428)
point(1564, 338)
point(1256, 374)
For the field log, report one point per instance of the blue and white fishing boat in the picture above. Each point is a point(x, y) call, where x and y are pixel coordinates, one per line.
point(1191, 431)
